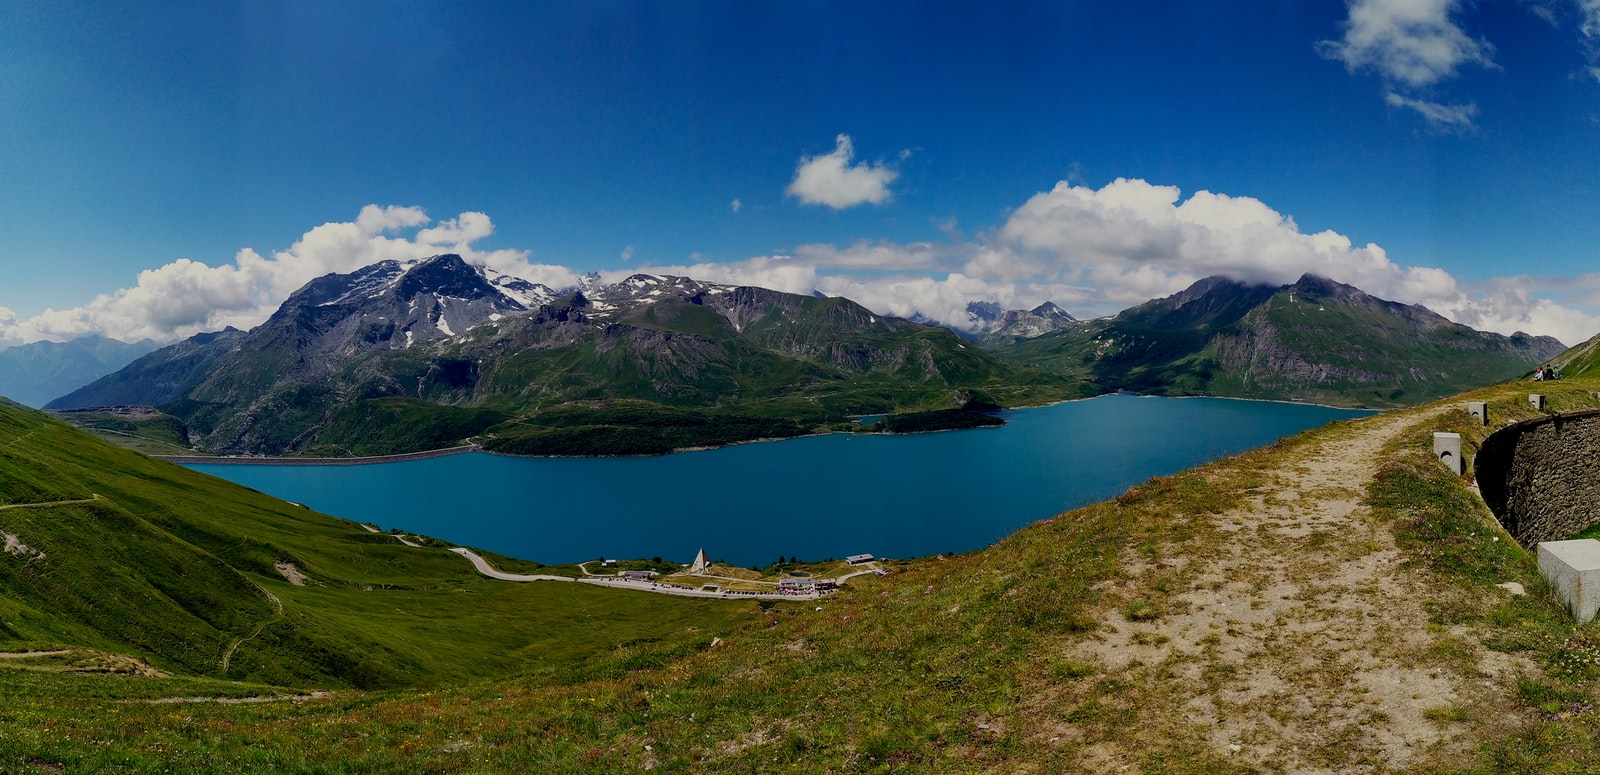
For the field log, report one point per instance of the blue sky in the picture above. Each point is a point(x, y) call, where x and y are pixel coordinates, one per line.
point(1460, 141)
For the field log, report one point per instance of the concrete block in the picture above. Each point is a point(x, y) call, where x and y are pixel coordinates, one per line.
point(1537, 399)
point(1480, 410)
point(1573, 568)
point(1447, 447)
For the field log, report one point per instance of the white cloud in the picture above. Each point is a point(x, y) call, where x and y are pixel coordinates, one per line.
point(376, 220)
point(1411, 42)
point(1544, 9)
point(736, 205)
point(1098, 251)
point(879, 255)
point(1438, 114)
point(1413, 45)
point(1094, 251)
point(829, 179)
point(1589, 18)
point(460, 231)
point(627, 253)
point(1131, 225)
point(185, 297)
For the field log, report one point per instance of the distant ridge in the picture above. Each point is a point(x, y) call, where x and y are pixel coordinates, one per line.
point(1312, 340)
point(34, 373)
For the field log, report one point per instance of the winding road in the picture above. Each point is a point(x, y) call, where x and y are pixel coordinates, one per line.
point(486, 569)
point(660, 588)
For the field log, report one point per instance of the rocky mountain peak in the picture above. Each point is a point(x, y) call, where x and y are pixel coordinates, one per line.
point(984, 311)
point(1050, 310)
point(447, 275)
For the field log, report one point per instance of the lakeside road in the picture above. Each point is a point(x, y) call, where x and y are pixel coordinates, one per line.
point(486, 569)
point(660, 588)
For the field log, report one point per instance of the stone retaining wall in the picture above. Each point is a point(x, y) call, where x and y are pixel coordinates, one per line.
point(1541, 477)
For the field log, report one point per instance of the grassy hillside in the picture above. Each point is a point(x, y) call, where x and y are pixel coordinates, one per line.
point(1581, 360)
point(151, 432)
point(144, 559)
point(1325, 604)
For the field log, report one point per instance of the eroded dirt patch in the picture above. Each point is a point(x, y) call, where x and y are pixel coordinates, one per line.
point(290, 573)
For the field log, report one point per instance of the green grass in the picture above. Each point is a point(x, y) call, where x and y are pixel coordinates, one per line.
point(949, 665)
point(892, 674)
point(175, 567)
point(156, 434)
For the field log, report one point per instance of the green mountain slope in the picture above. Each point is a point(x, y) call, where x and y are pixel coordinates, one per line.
point(1315, 340)
point(1581, 360)
point(114, 551)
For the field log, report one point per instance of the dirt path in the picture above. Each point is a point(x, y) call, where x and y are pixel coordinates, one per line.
point(1300, 643)
point(51, 503)
point(297, 698)
point(227, 656)
point(33, 654)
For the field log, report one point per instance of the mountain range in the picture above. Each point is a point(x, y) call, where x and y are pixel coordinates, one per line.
point(404, 356)
point(1312, 340)
point(996, 325)
point(407, 356)
point(34, 373)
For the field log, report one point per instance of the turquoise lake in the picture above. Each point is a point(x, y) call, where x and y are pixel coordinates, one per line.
point(816, 497)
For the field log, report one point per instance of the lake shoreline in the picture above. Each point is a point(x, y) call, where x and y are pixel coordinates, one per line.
point(907, 495)
point(465, 448)
point(318, 461)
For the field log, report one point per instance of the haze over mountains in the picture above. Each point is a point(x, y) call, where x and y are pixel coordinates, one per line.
point(34, 373)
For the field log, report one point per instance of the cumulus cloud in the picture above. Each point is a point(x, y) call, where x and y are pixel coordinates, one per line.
point(1098, 251)
point(830, 179)
point(1095, 251)
point(185, 297)
point(1130, 225)
point(736, 205)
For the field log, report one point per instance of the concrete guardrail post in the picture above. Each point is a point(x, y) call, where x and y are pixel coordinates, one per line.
point(1537, 399)
point(1447, 448)
point(1573, 568)
point(1480, 410)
